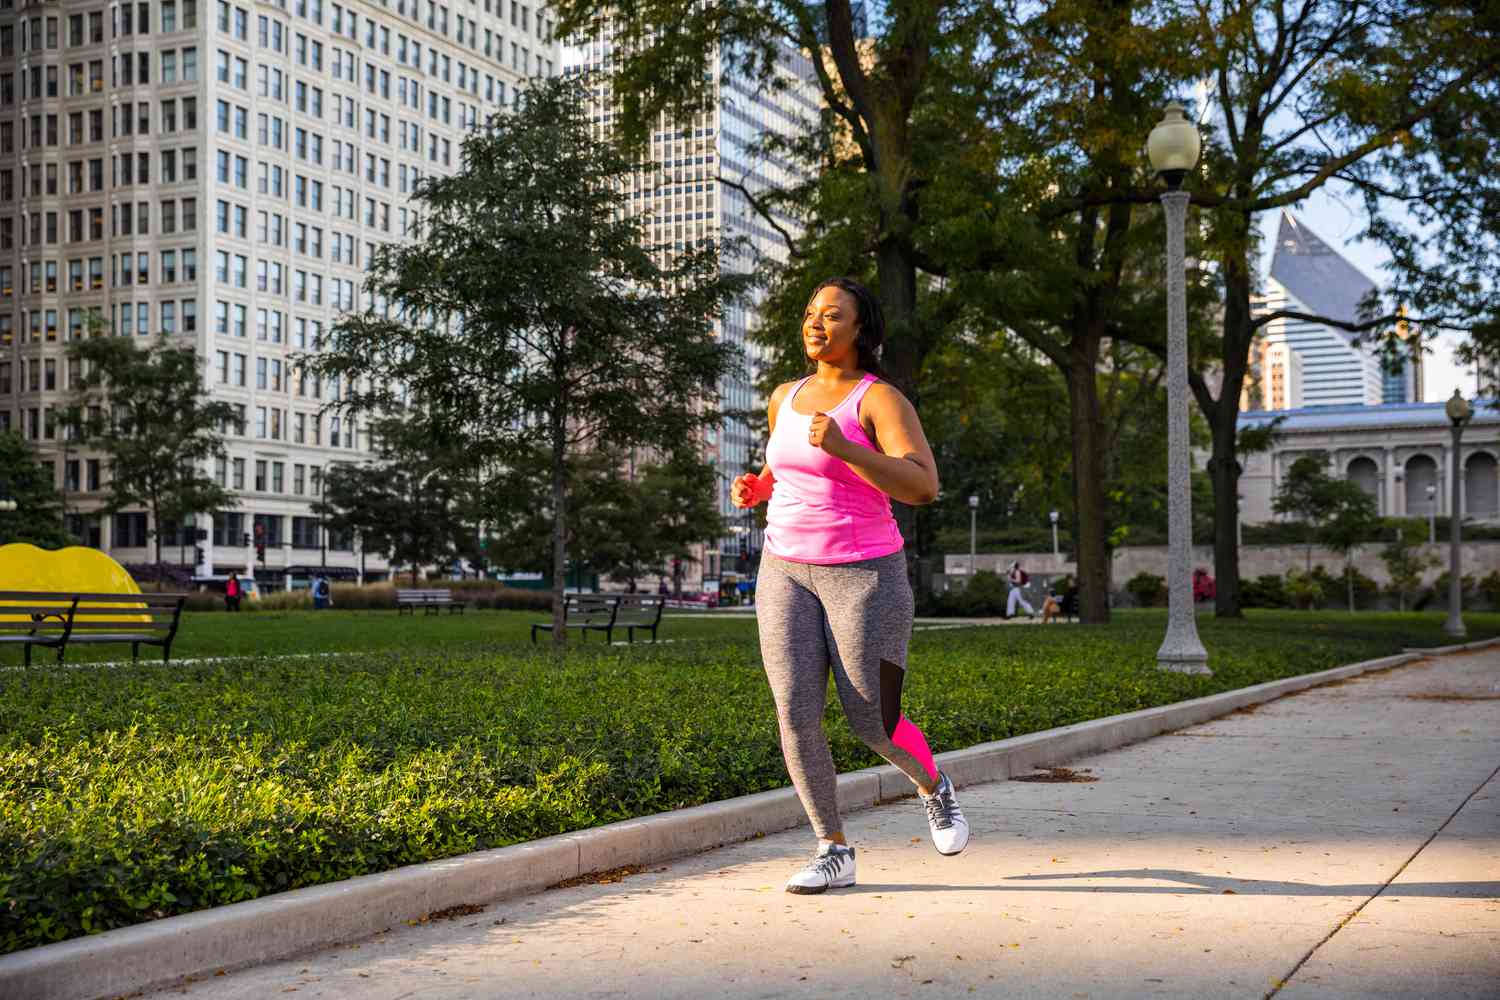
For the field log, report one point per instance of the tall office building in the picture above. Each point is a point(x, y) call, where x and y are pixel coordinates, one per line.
point(1275, 378)
point(1309, 276)
point(681, 200)
point(220, 172)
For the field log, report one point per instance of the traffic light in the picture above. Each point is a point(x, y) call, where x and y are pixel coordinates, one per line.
point(260, 542)
point(246, 539)
point(197, 555)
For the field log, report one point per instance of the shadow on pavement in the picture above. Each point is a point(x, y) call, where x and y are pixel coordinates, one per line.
point(1195, 883)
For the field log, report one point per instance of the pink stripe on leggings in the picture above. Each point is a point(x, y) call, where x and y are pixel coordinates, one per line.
point(909, 738)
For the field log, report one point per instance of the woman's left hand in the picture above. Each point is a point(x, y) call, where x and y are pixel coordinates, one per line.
point(825, 434)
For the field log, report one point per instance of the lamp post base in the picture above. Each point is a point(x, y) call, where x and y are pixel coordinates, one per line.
point(1183, 655)
point(1454, 628)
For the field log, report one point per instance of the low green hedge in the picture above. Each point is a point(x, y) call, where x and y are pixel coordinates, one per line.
point(132, 793)
point(483, 594)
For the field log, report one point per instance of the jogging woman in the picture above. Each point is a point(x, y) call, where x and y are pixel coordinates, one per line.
point(832, 589)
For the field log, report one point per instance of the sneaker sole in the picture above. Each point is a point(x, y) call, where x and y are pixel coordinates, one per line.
point(810, 890)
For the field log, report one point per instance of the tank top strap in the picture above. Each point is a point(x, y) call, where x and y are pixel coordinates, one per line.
point(857, 396)
point(786, 401)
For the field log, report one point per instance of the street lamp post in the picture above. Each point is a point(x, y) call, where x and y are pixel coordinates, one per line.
point(1056, 555)
point(1173, 149)
point(1239, 521)
point(973, 532)
point(1459, 411)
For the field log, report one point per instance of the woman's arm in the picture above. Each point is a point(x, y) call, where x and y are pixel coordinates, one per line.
point(903, 468)
point(749, 489)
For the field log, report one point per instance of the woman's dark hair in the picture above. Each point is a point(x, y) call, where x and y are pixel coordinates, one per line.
point(871, 322)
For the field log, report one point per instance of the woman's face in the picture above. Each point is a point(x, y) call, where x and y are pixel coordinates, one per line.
point(830, 326)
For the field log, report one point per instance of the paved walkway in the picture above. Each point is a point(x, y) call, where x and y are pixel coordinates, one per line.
point(1340, 843)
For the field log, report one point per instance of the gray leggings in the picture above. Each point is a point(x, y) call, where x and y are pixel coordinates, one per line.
point(856, 618)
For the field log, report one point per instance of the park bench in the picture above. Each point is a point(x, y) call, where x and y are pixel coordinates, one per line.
point(57, 620)
point(639, 611)
point(432, 600)
point(587, 613)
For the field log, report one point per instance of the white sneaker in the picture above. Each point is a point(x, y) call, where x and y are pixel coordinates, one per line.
point(950, 831)
point(831, 868)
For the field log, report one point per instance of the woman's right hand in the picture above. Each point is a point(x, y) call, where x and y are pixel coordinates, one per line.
point(746, 490)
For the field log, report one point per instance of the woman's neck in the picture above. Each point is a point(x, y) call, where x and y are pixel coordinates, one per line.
point(831, 373)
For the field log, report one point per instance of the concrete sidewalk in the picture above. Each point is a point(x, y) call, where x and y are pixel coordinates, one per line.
point(1344, 842)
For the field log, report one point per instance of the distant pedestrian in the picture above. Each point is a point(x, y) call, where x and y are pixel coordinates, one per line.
point(322, 593)
point(233, 591)
point(1018, 579)
point(832, 591)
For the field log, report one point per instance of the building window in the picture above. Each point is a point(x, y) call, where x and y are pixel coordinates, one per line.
point(130, 531)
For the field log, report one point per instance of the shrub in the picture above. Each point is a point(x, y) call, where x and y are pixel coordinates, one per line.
point(1489, 588)
point(1438, 593)
point(1366, 590)
point(164, 576)
point(1147, 589)
point(1305, 590)
point(1267, 591)
point(984, 595)
point(485, 594)
point(281, 600)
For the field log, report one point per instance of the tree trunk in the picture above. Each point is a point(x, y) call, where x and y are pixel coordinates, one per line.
point(1225, 477)
point(1223, 417)
point(559, 529)
point(156, 540)
point(1088, 480)
point(1349, 579)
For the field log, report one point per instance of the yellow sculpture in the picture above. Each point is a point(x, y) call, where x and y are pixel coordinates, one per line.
point(73, 570)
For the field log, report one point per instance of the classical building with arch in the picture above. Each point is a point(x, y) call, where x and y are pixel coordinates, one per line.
point(1395, 452)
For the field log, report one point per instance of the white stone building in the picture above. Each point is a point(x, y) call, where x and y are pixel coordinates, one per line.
point(220, 171)
point(1394, 451)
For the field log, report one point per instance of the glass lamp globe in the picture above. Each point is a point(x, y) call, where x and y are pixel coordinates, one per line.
point(1458, 408)
point(1173, 145)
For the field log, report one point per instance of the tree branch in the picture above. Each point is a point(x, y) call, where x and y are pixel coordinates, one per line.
point(764, 213)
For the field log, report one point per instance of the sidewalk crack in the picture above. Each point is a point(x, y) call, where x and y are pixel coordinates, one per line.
point(1284, 980)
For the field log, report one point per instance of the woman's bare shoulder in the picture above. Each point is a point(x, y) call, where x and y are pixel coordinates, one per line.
point(885, 398)
point(780, 393)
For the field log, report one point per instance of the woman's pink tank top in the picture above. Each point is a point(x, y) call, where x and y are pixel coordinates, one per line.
point(820, 510)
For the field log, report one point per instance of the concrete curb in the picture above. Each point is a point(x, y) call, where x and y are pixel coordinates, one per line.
point(163, 952)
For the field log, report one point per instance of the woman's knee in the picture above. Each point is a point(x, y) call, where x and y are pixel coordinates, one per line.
point(871, 731)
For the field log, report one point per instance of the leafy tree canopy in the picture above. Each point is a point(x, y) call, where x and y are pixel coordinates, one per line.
point(530, 316)
point(38, 517)
point(146, 409)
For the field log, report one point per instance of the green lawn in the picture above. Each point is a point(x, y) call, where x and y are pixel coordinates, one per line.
point(216, 633)
point(128, 793)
